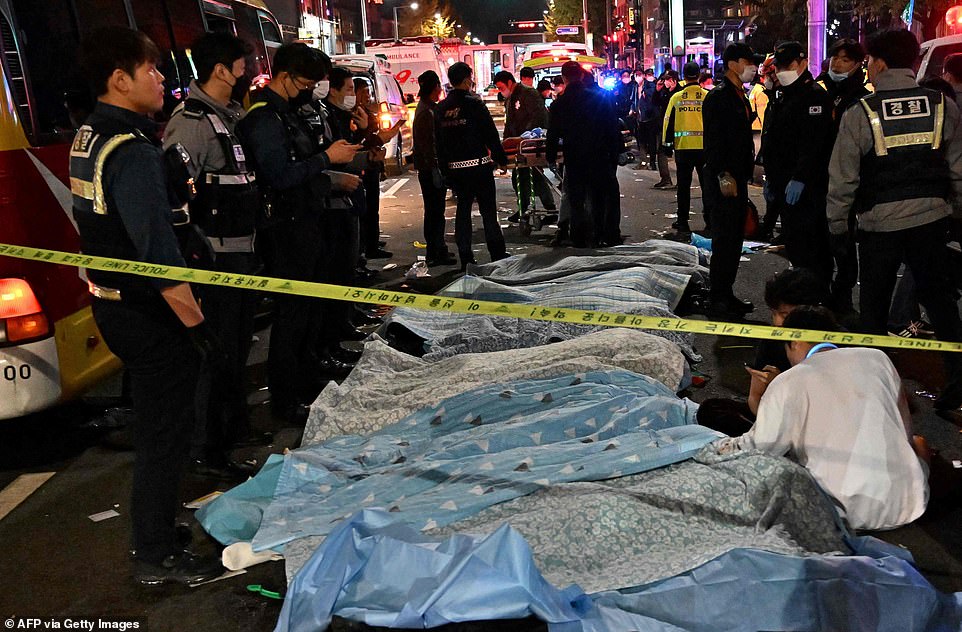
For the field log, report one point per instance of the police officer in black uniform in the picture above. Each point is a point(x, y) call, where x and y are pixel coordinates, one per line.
point(282, 148)
point(468, 148)
point(797, 144)
point(225, 209)
point(898, 162)
point(123, 210)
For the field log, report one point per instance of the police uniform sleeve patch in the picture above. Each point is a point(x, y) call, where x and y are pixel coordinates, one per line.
point(83, 142)
point(815, 110)
point(217, 124)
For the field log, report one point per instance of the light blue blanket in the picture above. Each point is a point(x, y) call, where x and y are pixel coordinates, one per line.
point(376, 570)
point(447, 462)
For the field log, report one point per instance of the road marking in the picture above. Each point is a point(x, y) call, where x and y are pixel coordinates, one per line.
point(389, 194)
point(20, 489)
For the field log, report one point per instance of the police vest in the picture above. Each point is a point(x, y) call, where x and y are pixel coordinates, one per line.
point(300, 201)
point(102, 231)
point(228, 201)
point(907, 160)
point(689, 124)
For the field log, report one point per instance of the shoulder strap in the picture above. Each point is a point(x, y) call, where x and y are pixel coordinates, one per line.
point(110, 146)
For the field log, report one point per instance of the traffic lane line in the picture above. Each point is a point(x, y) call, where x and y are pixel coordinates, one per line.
point(21, 489)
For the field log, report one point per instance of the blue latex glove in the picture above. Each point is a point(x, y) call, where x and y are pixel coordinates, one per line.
point(767, 193)
point(793, 192)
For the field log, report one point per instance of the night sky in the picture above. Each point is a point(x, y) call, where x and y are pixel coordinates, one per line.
point(487, 18)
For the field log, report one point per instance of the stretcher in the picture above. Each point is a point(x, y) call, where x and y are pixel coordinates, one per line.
point(530, 153)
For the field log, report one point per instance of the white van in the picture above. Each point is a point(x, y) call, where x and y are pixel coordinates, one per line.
point(390, 103)
point(409, 58)
point(934, 52)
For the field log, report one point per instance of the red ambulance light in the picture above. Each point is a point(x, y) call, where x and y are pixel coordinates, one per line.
point(21, 317)
point(953, 17)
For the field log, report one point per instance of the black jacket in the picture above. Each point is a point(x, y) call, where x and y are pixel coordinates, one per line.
point(523, 111)
point(466, 130)
point(799, 134)
point(425, 141)
point(844, 94)
point(584, 121)
point(729, 146)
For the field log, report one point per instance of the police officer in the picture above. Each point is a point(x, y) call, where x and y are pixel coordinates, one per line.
point(123, 210)
point(282, 147)
point(429, 172)
point(729, 162)
point(684, 134)
point(468, 149)
point(226, 207)
point(524, 111)
point(898, 162)
point(584, 122)
point(797, 144)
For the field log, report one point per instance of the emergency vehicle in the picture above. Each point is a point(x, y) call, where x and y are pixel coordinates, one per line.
point(409, 57)
point(547, 59)
point(391, 107)
point(50, 349)
point(934, 52)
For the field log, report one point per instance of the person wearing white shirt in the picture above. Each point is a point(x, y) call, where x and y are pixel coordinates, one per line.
point(843, 415)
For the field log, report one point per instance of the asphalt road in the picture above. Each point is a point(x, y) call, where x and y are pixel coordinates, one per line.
point(56, 561)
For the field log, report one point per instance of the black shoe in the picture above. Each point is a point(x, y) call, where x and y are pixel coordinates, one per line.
point(661, 185)
point(180, 568)
point(294, 413)
point(381, 243)
point(344, 355)
point(443, 260)
point(365, 274)
point(514, 218)
point(254, 439)
point(226, 470)
point(681, 227)
point(361, 319)
point(349, 334)
point(380, 253)
point(738, 305)
point(330, 365)
point(467, 262)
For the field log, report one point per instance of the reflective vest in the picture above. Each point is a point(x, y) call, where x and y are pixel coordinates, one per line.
point(907, 160)
point(689, 126)
point(228, 200)
point(102, 232)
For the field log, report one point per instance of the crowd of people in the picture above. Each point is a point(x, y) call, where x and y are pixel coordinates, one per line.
point(290, 188)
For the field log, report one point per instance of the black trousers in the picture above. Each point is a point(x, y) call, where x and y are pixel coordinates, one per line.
point(647, 136)
point(846, 271)
point(477, 183)
point(728, 231)
point(434, 221)
point(924, 253)
point(163, 368)
point(298, 253)
point(686, 161)
point(222, 396)
point(527, 182)
point(588, 191)
point(339, 236)
point(371, 219)
point(805, 232)
point(610, 230)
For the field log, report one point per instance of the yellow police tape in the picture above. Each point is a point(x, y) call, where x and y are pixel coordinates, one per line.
point(464, 305)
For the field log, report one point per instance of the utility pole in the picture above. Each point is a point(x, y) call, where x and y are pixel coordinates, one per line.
point(609, 38)
point(363, 25)
point(817, 12)
point(584, 22)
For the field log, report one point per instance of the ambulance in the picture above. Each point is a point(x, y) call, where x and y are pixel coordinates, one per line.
point(410, 57)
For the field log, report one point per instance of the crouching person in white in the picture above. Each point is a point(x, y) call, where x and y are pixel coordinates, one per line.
point(843, 415)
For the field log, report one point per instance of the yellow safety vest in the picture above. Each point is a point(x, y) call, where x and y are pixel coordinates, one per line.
point(759, 102)
point(689, 126)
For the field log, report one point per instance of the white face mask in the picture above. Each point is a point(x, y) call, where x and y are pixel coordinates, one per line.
point(748, 74)
point(787, 77)
point(349, 102)
point(837, 76)
point(322, 89)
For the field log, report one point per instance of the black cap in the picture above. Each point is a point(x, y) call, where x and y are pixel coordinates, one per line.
point(787, 52)
point(736, 51)
point(428, 81)
point(691, 70)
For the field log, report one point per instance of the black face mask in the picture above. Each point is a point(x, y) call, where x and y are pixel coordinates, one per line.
point(302, 98)
point(241, 87)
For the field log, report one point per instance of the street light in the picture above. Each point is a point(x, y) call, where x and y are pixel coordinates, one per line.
point(413, 6)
